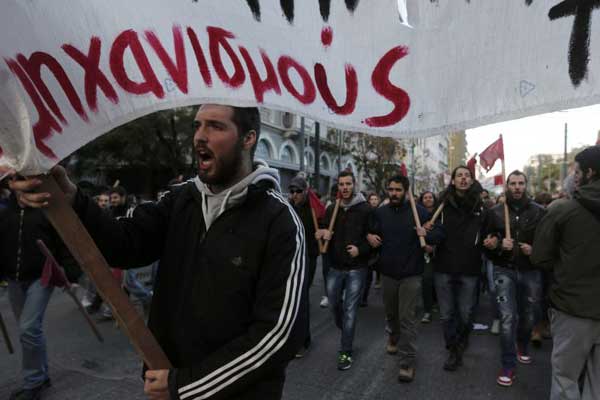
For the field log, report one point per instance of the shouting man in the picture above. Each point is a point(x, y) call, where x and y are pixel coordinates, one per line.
point(228, 299)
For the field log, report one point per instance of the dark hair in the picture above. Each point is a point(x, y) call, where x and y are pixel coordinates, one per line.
point(401, 180)
point(543, 198)
point(516, 172)
point(473, 195)
point(120, 190)
point(423, 195)
point(371, 195)
point(347, 173)
point(589, 158)
point(461, 167)
point(484, 190)
point(247, 119)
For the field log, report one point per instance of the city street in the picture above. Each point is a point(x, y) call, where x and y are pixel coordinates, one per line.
point(83, 368)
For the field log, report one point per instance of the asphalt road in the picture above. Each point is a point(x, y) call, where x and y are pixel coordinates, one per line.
point(83, 368)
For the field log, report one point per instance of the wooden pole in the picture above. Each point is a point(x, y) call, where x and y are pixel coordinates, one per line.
point(506, 213)
point(85, 251)
point(316, 224)
point(437, 213)
point(413, 206)
point(46, 252)
point(332, 223)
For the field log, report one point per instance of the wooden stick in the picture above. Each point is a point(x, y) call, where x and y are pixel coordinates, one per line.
point(332, 223)
point(413, 206)
point(316, 224)
point(70, 291)
point(507, 234)
point(9, 345)
point(437, 213)
point(84, 250)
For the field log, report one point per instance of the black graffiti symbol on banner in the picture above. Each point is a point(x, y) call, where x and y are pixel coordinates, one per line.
point(579, 46)
point(287, 7)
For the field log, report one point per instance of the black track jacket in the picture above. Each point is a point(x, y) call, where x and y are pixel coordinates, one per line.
point(227, 304)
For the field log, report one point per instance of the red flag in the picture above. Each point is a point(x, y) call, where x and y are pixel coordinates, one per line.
point(471, 165)
point(316, 204)
point(403, 170)
point(52, 274)
point(498, 180)
point(494, 152)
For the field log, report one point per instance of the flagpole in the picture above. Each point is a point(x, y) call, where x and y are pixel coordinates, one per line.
point(506, 213)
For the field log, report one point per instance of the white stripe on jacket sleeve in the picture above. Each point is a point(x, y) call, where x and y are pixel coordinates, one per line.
point(273, 340)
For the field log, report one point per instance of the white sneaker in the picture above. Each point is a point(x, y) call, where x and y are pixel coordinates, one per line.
point(495, 330)
point(324, 302)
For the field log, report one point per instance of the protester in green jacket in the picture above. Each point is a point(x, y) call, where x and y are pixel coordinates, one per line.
point(567, 241)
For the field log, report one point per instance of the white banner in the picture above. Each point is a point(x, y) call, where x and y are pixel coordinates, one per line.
point(72, 70)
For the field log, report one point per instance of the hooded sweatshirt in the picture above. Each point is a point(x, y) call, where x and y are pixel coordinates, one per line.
point(351, 228)
point(215, 204)
point(566, 241)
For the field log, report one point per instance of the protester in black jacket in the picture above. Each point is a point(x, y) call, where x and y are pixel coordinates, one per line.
point(393, 231)
point(458, 261)
point(228, 304)
point(349, 253)
point(299, 200)
point(22, 263)
point(519, 285)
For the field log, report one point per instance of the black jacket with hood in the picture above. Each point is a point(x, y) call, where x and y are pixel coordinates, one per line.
point(465, 223)
point(228, 305)
point(351, 228)
point(20, 257)
point(400, 254)
point(524, 218)
point(567, 242)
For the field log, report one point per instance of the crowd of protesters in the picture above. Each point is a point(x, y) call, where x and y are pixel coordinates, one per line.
point(539, 273)
point(432, 255)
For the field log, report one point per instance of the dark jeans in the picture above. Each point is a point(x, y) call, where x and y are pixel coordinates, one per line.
point(346, 285)
point(367, 288)
point(325, 266)
point(312, 266)
point(29, 301)
point(428, 290)
point(457, 296)
point(519, 295)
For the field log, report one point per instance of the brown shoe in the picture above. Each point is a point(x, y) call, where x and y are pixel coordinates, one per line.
point(392, 345)
point(406, 374)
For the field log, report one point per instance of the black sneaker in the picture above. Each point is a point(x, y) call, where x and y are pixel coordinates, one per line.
point(454, 360)
point(344, 361)
point(30, 394)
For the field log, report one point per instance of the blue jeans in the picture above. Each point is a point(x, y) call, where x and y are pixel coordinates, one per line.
point(489, 273)
point(136, 288)
point(519, 296)
point(457, 296)
point(344, 311)
point(29, 301)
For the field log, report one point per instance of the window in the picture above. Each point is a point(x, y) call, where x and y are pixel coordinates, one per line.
point(309, 159)
point(324, 163)
point(287, 120)
point(287, 155)
point(262, 150)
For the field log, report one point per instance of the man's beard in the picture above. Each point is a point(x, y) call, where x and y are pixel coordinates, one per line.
point(398, 201)
point(226, 167)
point(518, 202)
point(583, 180)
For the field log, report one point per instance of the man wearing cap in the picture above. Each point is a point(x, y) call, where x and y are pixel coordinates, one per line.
point(299, 199)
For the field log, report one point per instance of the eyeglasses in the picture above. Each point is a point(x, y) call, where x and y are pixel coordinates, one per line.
point(296, 191)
